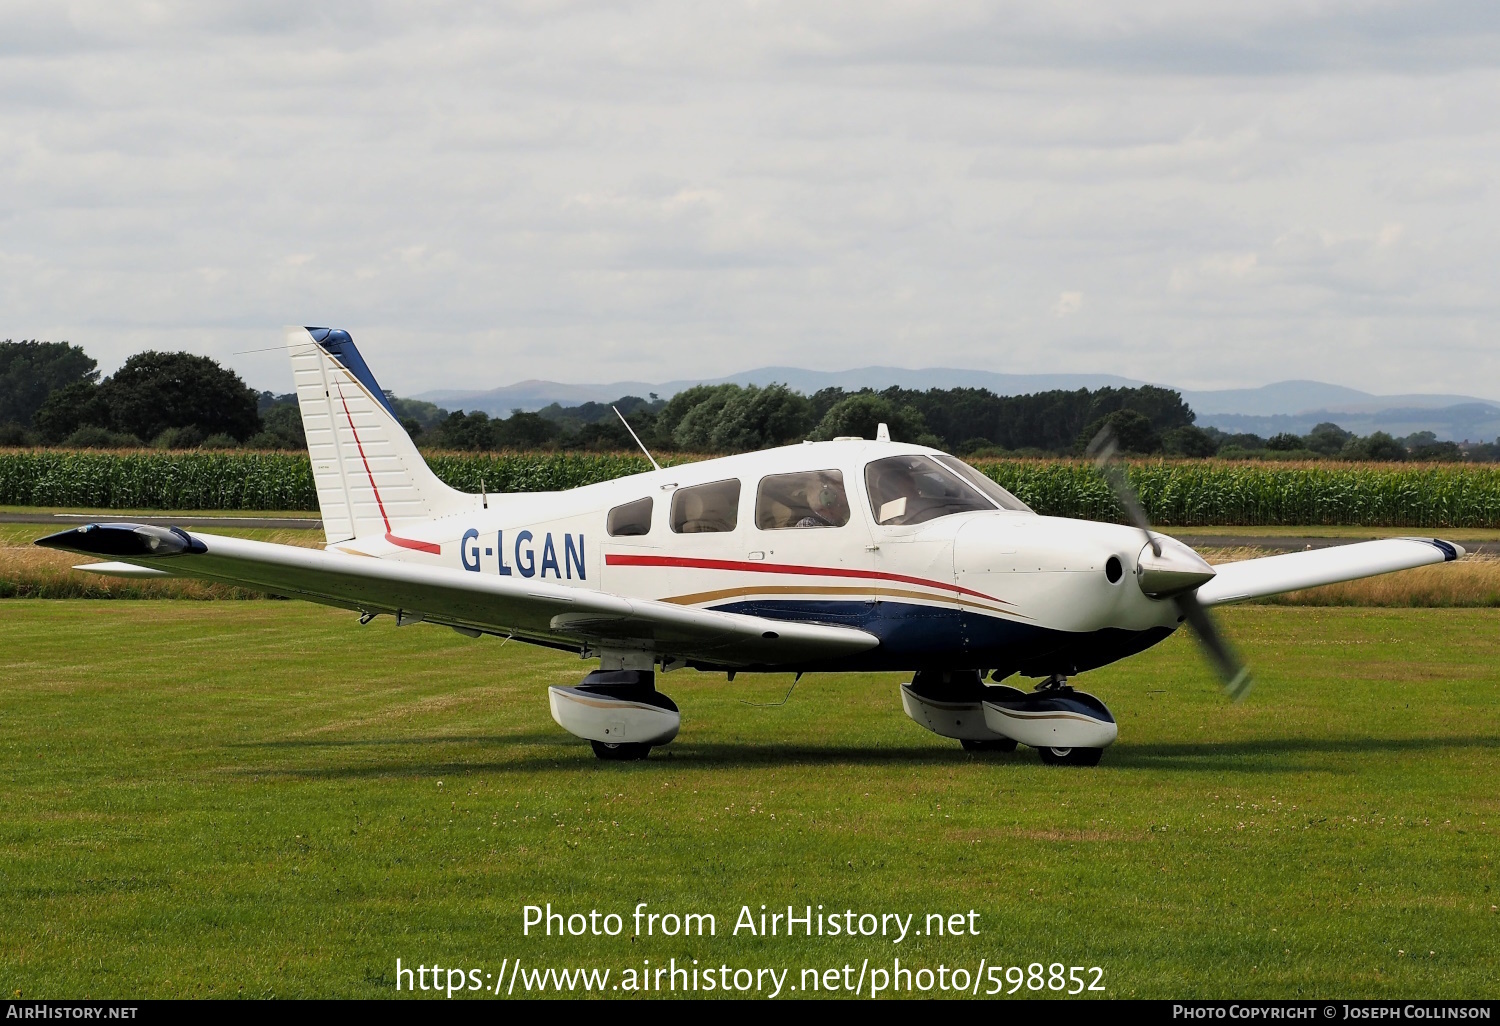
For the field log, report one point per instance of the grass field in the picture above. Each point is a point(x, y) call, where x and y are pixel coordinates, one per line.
point(258, 798)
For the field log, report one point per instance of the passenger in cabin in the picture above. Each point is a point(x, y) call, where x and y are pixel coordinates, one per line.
point(825, 503)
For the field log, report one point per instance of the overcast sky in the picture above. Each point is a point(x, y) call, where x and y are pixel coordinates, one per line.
point(1214, 195)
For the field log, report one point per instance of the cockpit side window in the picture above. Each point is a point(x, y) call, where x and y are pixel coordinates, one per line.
point(811, 499)
point(984, 484)
point(915, 489)
point(707, 508)
point(630, 520)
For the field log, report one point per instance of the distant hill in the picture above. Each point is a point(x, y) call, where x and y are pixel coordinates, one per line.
point(1287, 398)
point(533, 395)
point(1293, 406)
point(1473, 422)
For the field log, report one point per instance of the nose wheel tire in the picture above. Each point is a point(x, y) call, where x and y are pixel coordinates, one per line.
point(998, 745)
point(624, 752)
point(1071, 756)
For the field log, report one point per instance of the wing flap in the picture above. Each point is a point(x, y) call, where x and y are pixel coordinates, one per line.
point(1272, 575)
point(489, 603)
point(121, 570)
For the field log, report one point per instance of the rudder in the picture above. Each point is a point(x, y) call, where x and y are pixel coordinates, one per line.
point(370, 477)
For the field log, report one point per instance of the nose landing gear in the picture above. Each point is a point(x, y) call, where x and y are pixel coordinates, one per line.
point(624, 751)
point(1054, 756)
point(1066, 727)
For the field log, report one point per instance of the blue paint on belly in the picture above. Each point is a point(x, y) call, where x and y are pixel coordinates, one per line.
point(918, 637)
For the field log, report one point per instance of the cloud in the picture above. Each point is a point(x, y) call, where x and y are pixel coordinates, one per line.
point(1067, 303)
point(484, 194)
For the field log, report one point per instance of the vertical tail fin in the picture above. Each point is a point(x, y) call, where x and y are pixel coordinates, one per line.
point(371, 479)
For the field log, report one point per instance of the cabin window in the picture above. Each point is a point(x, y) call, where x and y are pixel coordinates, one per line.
point(631, 519)
point(812, 499)
point(915, 489)
point(706, 509)
point(984, 484)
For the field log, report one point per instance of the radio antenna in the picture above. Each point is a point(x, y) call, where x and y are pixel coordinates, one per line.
point(636, 437)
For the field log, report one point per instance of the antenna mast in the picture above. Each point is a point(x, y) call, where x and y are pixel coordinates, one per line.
point(636, 437)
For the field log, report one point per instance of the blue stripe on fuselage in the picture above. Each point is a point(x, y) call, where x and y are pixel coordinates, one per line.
point(914, 637)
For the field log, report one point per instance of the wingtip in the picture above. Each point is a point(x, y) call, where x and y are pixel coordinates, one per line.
point(1450, 550)
point(122, 540)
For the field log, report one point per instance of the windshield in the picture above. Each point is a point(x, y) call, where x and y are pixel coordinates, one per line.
point(916, 489)
point(984, 484)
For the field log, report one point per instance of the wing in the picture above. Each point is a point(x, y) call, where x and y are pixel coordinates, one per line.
point(473, 603)
point(1272, 575)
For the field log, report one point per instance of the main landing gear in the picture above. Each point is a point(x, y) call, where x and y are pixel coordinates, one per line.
point(619, 712)
point(1066, 727)
point(999, 744)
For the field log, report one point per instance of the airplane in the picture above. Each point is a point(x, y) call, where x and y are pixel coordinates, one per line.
point(846, 555)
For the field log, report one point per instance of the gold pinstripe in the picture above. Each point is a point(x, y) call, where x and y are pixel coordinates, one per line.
point(791, 589)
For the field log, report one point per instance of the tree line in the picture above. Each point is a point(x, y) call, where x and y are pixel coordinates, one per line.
point(51, 393)
point(967, 421)
point(734, 418)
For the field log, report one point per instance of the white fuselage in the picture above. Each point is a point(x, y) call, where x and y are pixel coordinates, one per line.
point(994, 588)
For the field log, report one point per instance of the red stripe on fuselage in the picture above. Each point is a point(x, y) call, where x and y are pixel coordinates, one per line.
point(412, 543)
point(620, 559)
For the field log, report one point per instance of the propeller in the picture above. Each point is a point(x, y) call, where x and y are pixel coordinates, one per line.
point(1172, 570)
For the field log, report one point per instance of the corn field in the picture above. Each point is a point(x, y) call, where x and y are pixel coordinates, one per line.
point(1196, 493)
point(1180, 493)
point(262, 480)
point(532, 472)
point(157, 480)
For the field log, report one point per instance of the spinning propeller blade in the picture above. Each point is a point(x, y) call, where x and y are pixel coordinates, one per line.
point(1235, 675)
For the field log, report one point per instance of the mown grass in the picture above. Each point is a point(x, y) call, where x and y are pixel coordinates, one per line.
point(263, 798)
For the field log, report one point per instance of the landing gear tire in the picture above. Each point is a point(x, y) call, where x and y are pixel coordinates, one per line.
point(626, 751)
point(998, 745)
point(1071, 756)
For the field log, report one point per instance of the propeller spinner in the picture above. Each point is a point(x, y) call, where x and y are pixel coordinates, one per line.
point(1168, 569)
